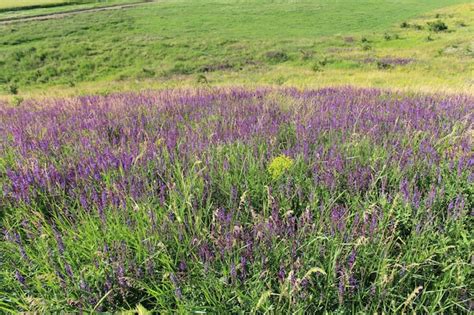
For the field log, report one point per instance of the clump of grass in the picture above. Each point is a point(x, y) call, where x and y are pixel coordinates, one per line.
point(437, 26)
point(366, 47)
point(321, 63)
point(202, 79)
point(349, 39)
point(13, 88)
point(306, 55)
point(316, 67)
point(148, 73)
point(276, 56)
point(17, 100)
point(414, 26)
point(381, 65)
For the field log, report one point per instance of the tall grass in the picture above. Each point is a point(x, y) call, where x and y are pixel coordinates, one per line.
point(233, 200)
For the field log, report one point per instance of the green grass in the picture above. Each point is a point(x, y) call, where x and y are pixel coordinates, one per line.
point(39, 8)
point(26, 3)
point(338, 201)
point(226, 42)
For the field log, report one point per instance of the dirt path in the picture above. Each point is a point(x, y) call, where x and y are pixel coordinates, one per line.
point(64, 14)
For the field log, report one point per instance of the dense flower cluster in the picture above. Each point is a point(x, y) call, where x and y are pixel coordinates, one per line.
point(169, 199)
point(279, 165)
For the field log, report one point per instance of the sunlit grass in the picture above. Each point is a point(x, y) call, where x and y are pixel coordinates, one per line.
point(25, 3)
point(235, 200)
point(129, 50)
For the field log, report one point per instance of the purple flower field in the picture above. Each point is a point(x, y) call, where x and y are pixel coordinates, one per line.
point(231, 200)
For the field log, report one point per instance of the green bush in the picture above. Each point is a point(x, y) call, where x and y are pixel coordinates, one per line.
point(437, 26)
point(404, 25)
point(13, 89)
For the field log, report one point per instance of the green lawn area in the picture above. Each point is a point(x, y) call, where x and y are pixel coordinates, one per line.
point(303, 43)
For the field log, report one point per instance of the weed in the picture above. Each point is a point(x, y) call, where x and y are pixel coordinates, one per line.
point(279, 165)
point(13, 88)
point(202, 79)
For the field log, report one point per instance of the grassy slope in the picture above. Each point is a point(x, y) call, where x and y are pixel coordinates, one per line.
point(23, 3)
point(38, 8)
point(182, 42)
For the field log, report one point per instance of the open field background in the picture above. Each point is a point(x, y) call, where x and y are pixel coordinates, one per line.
point(298, 43)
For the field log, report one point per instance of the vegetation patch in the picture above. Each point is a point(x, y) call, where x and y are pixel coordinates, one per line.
point(437, 26)
point(236, 200)
point(276, 56)
point(388, 62)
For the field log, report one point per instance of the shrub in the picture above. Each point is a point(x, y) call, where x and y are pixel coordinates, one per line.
point(404, 25)
point(437, 26)
point(13, 89)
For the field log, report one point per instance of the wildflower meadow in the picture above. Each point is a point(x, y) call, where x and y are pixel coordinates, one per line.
point(230, 200)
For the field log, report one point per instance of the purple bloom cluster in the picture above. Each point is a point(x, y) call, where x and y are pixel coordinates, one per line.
point(66, 146)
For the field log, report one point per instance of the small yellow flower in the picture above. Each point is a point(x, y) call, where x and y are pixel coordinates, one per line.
point(279, 165)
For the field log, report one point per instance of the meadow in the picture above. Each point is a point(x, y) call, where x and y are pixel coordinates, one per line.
point(223, 157)
point(16, 10)
point(229, 200)
point(196, 43)
point(26, 3)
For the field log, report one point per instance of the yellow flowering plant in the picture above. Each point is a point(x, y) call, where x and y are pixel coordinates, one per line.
point(279, 165)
